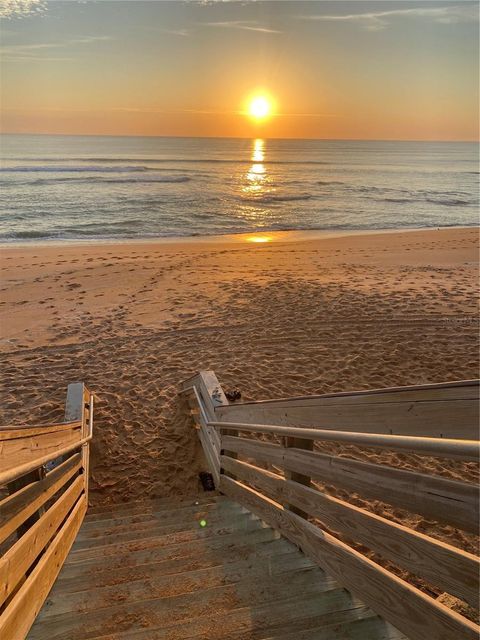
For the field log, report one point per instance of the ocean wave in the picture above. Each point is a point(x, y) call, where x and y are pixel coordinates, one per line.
point(446, 202)
point(99, 180)
point(28, 235)
point(74, 169)
point(120, 161)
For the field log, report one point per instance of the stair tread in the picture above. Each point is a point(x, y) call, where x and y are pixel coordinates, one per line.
point(153, 503)
point(161, 539)
point(149, 571)
point(155, 611)
point(169, 585)
point(296, 619)
point(166, 515)
point(157, 527)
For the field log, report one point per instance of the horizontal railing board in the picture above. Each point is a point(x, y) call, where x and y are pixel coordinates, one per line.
point(444, 566)
point(20, 451)
point(17, 560)
point(12, 432)
point(449, 501)
point(433, 391)
point(467, 450)
point(35, 463)
point(25, 605)
point(15, 509)
point(456, 419)
point(407, 608)
point(264, 451)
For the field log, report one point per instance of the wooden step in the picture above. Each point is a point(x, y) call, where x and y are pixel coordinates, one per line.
point(168, 516)
point(145, 506)
point(155, 612)
point(120, 548)
point(167, 586)
point(157, 527)
point(185, 557)
point(296, 619)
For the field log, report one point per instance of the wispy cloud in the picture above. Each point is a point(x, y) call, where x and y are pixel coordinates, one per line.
point(245, 25)
point(34, 51)
point(21, 8)
point(379, 20)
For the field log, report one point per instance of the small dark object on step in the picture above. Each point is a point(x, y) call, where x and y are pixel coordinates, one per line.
point(233, 395)
point(207, 481)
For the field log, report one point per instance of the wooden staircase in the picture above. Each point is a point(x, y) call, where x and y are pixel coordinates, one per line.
point(151, 570)
point(270, 554)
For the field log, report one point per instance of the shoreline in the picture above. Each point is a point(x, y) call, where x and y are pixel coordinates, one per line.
point(289, 235)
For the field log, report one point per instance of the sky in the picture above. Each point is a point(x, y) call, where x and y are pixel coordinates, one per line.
point(338, 70)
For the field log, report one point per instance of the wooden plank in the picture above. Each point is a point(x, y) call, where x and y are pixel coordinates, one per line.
point(20, 451)
point(448, 410)
point(75, 404)
point(20, 483)
point(301, 478)
point(444, 566)
point(211, 456)
point(10, 433)
point(455, 503)
point(433, 391)
point(7, 476)
point(407, 608)
point(449, 501)
point(17, 560)
point(76, 409)
point(467, 450)
point(454, 419)
point(25, 605)
point(255, 449)
point(15, 509)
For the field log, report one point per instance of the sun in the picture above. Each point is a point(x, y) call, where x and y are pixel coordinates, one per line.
point(260, 107)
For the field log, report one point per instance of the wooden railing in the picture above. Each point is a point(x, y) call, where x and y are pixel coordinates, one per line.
point(43, 499)
point(285, 498)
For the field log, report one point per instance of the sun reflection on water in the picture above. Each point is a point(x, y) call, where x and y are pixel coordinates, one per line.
point(256, 175)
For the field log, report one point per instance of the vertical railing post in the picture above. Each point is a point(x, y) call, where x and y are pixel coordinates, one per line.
point(77, 407)
point(306, 445)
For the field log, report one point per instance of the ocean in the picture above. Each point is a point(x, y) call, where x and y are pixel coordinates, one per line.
point(103, 187)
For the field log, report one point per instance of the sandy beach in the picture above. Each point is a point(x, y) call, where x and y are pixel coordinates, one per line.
point(273, 319)
point(278, 318)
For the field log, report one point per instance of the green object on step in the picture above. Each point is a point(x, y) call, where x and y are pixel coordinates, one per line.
point(203, 523)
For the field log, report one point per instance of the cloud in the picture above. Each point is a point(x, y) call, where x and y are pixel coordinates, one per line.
point(379, 20)
point(246, 25)
point(21, 8)
point(31, 52)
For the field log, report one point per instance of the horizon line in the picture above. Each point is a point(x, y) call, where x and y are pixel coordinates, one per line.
point(253, 137)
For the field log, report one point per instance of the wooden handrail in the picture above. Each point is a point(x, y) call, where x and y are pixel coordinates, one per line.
point(12, 432)
point(468, 450)
point(441, 499)
point(287, 501)
point(45, 507)
point(8, 476)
